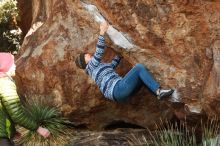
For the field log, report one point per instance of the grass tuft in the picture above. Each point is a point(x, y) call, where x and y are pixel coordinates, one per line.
point(178, 134)
point(211, 132)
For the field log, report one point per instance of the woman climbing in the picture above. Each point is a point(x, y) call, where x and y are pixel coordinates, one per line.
point(11, 110)
point(110, 83)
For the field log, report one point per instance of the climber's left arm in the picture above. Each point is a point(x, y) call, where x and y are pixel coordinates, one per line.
point(12, 104)
point(116, 60)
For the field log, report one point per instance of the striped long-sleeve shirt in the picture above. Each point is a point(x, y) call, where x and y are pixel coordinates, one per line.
point(103, 73)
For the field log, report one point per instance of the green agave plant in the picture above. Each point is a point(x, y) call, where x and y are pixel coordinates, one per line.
point(48, 117)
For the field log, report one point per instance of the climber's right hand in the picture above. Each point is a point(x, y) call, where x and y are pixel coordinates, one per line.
point(103, 27)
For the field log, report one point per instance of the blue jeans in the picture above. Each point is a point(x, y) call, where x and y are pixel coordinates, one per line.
point(132, 81)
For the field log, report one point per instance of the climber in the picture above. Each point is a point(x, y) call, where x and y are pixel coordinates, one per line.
point(110, 83)
point(11, 110)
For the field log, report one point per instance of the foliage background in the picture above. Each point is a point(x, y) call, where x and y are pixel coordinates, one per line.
point(10, 33)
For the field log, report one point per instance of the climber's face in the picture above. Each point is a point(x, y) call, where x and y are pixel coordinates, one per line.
point(88, 57)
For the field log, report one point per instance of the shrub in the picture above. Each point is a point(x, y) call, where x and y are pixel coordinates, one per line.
point(10, 33)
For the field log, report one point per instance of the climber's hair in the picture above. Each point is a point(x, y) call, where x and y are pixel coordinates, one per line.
point(80, 61)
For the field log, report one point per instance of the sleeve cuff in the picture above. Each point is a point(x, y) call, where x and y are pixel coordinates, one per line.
point(117, 57)
point(101, 37)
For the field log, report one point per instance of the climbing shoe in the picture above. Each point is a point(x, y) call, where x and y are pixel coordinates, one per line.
point(164, 93)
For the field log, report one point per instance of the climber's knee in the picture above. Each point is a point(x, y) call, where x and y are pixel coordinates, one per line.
point(140, 66)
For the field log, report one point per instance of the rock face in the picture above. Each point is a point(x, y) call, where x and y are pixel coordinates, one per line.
point(177, 40)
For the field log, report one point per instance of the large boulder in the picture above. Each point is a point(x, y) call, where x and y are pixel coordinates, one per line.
point(177, 40)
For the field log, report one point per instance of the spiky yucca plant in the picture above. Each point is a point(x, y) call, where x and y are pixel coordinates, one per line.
point(48, 117)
